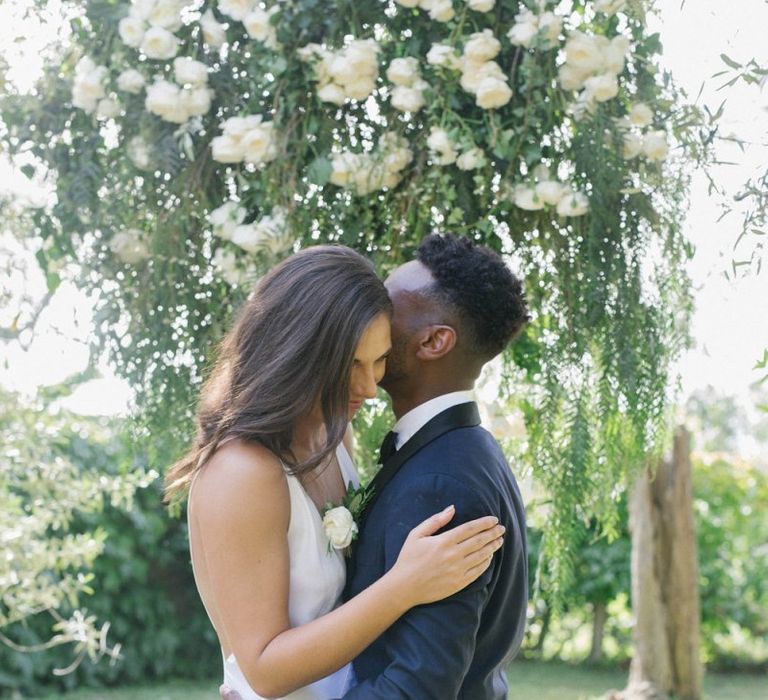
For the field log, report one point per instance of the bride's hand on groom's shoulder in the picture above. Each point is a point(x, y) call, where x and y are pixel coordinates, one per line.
point(434, 567)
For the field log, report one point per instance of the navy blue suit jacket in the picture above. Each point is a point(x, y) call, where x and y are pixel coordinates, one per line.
point(457, 647)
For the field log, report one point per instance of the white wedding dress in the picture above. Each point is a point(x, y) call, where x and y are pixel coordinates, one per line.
point(316, 583)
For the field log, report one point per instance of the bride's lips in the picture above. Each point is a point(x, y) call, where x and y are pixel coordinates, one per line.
point(355, 405)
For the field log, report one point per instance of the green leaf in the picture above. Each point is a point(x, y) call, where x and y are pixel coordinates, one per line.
point(729, 61)
point(319, 171)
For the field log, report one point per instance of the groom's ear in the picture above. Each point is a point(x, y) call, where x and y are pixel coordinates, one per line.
point(436, 341)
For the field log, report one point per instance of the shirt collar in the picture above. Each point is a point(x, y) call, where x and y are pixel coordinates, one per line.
point(418, 417)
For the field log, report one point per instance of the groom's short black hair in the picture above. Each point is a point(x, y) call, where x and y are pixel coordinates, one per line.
point(474, 281)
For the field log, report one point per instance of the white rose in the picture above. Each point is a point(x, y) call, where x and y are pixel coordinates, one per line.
point(549, 191)
point(227, 149)
point(584, 53)
point(160, 44)
point(258, 144)
point(362, 58)
point(406, 99)
point(164, 100)
point(602, 87)
point(197, 101)
point(128, 245)
point(632, 146)
point(225, 263)
point(481, 6)
point(130, 81)
point(471, 159)
point(226, 218)
point(655, 145)
point(131, 30)
point(610, 7)
point(442, 55)
point(525, 197)
point(614, 54)
point(441, 10)
point(236, 9)
point(573, 203)
point(107, 108)
point(340, 527)
point(248, 237)
point(332, 93)
point(571, 78)
point(214, 33)
point(343, 166)
point(482, 47)
point(524, 30)
point(397, 159)
point(240, 126)
point(550, 26)
point(408, 3)
point(403, 71)
point(438, 139)
point(188, 71)
point(361, 88)
point(138, 152)
point(641, 115)
point(492, 93)
point(258, 26)
point(166, 14)
point(472, 74)
point(88, 87)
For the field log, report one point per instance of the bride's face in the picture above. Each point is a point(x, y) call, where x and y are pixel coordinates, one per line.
point(370, 362)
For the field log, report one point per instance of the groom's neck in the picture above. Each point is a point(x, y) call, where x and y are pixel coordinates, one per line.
point(405, 401)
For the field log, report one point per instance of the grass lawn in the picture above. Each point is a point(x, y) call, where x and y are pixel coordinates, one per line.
point(528, 680)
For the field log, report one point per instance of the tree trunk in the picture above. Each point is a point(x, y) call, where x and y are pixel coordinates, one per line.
point(665, 594)
point(600, 615)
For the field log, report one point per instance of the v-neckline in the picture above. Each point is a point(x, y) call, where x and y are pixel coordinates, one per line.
point(312, 504)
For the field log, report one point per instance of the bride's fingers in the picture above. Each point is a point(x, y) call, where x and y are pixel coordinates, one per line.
point(467, 531)
point(478, 570)
point(432, 524)
point(484, 553)
point(480, 540)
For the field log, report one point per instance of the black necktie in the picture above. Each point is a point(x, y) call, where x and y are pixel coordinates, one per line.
point(388, 447)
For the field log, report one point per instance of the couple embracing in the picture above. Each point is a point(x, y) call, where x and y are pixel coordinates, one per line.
point(432, 602)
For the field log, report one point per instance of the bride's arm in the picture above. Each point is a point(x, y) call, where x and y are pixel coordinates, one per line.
point(242, 511)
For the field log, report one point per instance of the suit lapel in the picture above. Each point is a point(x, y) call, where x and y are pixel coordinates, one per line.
point(463, 415)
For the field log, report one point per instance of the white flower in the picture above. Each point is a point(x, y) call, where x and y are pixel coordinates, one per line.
point(439, 10)
point(131, 30)
point(107, 108)
point(188, 71)
point(138, 152)
point(408, 3)
point(236, 9)
point(343, 166)
point(443, 151)
point(525, 197)
point(332, 93)
point(571, 78)
point(164, 99)
point(549, 191)
point(240, 126)
point(655, 145)
point(472, 74)
point(166, 14)
point(524, 30)
point(615, 53)
point(360, 89)
point(214, 33)
point(610, 7)
point(585, 53)
point(247, 237)
point(225, 263)
point(573, 203)
point(482, 46)
point(225, 219)
point(197, 101)
point(407, 99)
point(160, 44)
point(471, 159)
point(227, 149)
point(601, 87)
point(442, 55)
point(632, 146)
point(403, 71)
point(257, 24)
point(259, 144)
point(340, 527)
point(130, 81)
point(88, 85)
point(641, 115)
point(481, 6)
point(492, 93)
point(128, 245)
point(550, 26)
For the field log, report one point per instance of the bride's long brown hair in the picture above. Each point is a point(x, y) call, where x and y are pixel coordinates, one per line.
point(293, 342)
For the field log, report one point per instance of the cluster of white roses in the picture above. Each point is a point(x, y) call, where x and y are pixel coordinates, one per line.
point(443, 151)
point(480, 74)
point(408, 93)
point(255, 19)
point(270, 232)
point(549, 192)
point(349, 73)
point(129, 246)
point(364, 173)
point(245, 139)
point(439, 10)
point(651, 144)
point(89, 92)
point(191, 97)
point(150, 27)
point(138, 151)
point(529, 25)
point(592, 65)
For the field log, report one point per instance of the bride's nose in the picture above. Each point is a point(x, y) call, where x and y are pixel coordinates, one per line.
point(365, 386)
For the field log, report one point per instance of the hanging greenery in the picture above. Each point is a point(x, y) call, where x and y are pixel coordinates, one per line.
point(192, 144)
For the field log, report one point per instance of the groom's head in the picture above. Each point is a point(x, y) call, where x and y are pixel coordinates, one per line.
point(456, 306)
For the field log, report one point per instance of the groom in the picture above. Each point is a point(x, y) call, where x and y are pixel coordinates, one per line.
point(455, 308)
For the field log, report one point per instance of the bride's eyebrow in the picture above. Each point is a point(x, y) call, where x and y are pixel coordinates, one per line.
point(384, 356)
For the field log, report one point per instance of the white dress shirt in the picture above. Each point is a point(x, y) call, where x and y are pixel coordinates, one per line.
point(418, 417)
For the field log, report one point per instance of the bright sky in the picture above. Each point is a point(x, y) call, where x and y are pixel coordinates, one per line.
point(730, 325)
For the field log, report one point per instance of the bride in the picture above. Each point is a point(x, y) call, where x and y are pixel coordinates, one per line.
point(273, 447)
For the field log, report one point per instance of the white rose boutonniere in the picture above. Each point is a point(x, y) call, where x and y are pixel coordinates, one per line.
point(340, 522)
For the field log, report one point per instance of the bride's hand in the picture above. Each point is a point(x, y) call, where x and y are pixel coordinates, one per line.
point(432, 567)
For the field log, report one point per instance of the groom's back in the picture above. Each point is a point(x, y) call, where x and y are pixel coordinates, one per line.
point(456, 647)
